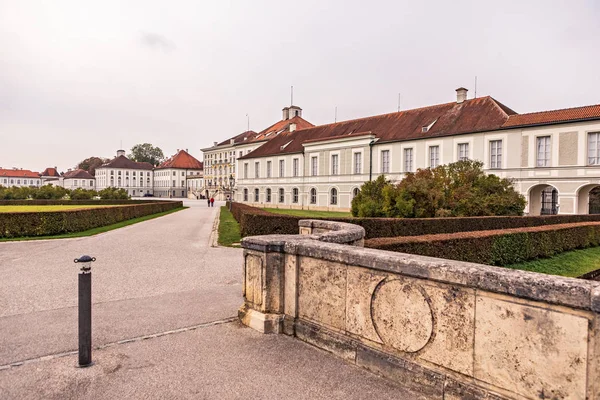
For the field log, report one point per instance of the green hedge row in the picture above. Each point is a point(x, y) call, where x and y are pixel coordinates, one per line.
point(27, 224)
point(255, 221)
point(497, 247)
point(49, 202)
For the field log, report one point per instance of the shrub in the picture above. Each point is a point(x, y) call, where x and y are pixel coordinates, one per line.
point(497, 247)
point(255, 221)
point(82, 194)
point(453, 190)
point(113, 193)
point(24, 224)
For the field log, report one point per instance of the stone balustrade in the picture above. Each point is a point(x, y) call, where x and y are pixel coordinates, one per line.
point(443, 329)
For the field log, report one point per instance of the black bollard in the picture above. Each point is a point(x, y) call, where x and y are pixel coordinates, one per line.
point(85, 310)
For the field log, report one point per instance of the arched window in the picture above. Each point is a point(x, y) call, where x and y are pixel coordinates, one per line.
point(256, 195)
point(334, 196)
point(355, 192)
point(281, 195)
point(294, 195)
point(268, 200)
point(245, 194)
point(313, 196)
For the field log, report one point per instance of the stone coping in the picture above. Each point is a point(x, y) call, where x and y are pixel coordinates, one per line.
point(570, 292)
point(339, 232)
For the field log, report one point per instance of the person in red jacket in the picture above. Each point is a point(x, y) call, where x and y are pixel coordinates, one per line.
point(212, 202)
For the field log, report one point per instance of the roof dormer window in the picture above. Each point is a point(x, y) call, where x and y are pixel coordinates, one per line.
point(426, 128)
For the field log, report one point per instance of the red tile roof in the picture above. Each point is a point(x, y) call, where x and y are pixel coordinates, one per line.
point(268, 133)
point(78, 174)
point(124, 162)
point(181, 160)
point(18, 173)
point(554, 116)
point(50, 172)
point(475, 115)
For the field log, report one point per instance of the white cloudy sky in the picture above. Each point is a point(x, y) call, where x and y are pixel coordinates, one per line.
point(77, 77)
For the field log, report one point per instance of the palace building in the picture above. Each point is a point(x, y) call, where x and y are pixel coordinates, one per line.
point(552, 156)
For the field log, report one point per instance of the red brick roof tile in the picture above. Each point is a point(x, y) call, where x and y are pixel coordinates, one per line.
point(18, 173)
point(268, 133)
point(475, 115)
point(554, 116)
point(50, 172)
point(181, 160)
point(78, 174)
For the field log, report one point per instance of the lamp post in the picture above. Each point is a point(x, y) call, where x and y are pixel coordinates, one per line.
point(231, 184)
point(85, 310)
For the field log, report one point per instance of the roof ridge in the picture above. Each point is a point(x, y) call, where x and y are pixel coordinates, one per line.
point(560, 109)
point(395, 112)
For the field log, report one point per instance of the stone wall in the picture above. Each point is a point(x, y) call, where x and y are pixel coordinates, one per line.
point(444, 329)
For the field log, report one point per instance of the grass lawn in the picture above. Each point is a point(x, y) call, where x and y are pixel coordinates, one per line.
point(95, 231)
point(571, 263)
point(11, 209)
point(309, 213)
point(229, 229)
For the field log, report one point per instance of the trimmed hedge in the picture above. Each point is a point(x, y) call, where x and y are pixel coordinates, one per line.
point(51, 202)
point(497, 247)
point(22, 224)
point(255, 221)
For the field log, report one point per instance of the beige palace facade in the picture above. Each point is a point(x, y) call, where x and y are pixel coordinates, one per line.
point(552, 156)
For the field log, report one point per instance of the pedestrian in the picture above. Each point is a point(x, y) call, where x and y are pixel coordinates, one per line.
point(208, 201)
point(212, 201)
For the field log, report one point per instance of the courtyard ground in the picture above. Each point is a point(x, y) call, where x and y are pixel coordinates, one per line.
point(163, 321)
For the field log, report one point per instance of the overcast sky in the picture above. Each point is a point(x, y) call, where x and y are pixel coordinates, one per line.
point(78, 77)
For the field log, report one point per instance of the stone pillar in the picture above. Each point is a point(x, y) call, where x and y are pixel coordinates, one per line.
point(263, 289)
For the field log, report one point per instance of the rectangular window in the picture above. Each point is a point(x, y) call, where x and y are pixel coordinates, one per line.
point(245, 170)
point(281, 168)
point(357, 163)
point(463, 151)
point(543, 151)
point(268, 200)
point(295, 195)
point(295, 163)
point(385, 161)
point(313, 166)
point(281, 195)
point(335, 164)
point(495, 153)
point(408, 160)
point(268, 169)
point(434, 156)
point(256, 169)
point(594, 148)
point(256, 194)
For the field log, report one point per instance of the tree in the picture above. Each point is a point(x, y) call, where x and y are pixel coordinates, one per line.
point(146, 153)
point(460, 189)
point(90, 164)
point(112, 193)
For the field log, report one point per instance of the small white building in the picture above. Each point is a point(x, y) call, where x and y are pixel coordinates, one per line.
point(171, 176)
point(19, 178)
point(78, 178)
point(122, 173)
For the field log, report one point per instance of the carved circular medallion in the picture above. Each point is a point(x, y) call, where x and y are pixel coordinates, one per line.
point(401, 315)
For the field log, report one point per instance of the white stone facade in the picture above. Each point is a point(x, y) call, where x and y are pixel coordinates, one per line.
point(564, 157)
point(136, 182)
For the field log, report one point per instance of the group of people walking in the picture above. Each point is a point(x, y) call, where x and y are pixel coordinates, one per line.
point(211, 201)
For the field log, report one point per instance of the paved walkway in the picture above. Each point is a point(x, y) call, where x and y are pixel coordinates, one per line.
point(163, 315)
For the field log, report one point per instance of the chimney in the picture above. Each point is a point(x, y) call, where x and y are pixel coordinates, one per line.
point(215, 144)
point(120, 153)
point(186, 150)
point(286, 113)
point(292, 127)
point(461, 94)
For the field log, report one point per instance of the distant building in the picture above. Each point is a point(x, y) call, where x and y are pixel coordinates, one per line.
point(135, 177)
point(19, 178)
point(220, 172)
point(171, 176)
point(51, 176)
point(78, 178)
